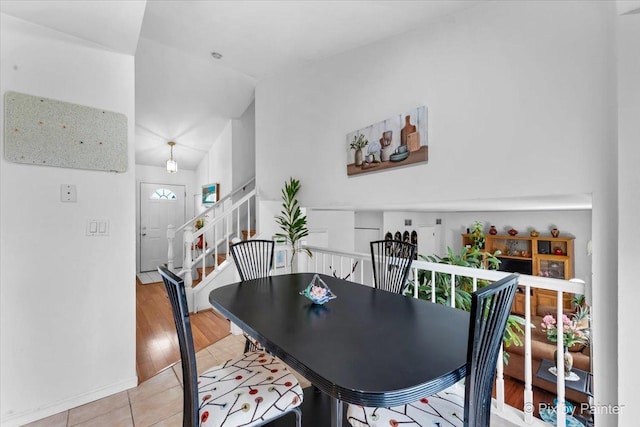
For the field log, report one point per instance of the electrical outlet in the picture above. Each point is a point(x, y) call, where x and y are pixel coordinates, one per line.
point(68, 193)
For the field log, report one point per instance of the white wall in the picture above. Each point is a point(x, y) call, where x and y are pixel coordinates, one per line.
point(394, 221)
point(244, 147)
point(522, 102)
point(159, 175)
point(369, 226)
point(629, 195)
point(231, 159)
point(68, 300)
point(369, 219)
point(339, 224)
point(216, 165)
point(509, 87)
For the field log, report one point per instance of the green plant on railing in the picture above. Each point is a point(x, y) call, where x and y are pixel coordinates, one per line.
point(292, 221)
point(512, 334)
point(472, 258)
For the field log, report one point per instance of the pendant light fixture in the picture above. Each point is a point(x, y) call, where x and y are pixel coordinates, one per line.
point(172, 165)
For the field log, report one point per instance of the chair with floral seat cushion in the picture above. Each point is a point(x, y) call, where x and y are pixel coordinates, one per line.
point(459, 405)
point(250, 390)
point(445, 408)
point(391, 261)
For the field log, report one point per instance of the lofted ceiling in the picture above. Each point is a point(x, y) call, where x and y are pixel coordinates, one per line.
point(184, 94)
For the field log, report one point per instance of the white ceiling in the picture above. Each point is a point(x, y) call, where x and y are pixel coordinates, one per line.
point(185, 95)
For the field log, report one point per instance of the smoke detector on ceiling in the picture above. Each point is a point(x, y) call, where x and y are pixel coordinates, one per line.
point(216, 55)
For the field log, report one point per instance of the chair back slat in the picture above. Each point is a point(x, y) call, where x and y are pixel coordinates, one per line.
point(490, 308)
point(175, 289)
point(253, 258)
point(391, 264)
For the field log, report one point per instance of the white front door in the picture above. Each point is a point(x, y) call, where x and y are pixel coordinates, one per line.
point(160, 205)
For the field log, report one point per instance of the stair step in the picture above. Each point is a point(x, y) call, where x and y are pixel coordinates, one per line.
point(208, 270)
point(245, 233)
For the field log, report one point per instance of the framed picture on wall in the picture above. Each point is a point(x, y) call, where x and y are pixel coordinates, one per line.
point(398, 141)
point(210, 194)
point(280, 257)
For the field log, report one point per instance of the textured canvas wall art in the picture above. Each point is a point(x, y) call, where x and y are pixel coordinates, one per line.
point(395, 142)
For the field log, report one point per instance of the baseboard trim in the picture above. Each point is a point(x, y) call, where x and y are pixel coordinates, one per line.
point(31, 415)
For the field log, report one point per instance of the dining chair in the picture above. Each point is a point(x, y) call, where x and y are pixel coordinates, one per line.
point(391, 261)
point(457, 405)
point(253, 260)
point(250, 390)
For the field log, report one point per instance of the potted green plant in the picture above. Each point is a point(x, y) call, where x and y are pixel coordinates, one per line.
point(199, 223)
point(358, 143)
point(291, 220)
point(473, 258)
point(478, 237)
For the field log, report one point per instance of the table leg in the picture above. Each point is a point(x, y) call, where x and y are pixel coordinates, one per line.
point(336, 412)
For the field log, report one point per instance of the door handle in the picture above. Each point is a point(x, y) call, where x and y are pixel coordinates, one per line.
point(144, 234)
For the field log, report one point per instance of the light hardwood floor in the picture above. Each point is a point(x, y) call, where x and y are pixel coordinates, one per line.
point(156, 339)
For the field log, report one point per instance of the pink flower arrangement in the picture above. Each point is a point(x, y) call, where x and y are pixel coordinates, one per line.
point(572, 333)
point(318, 292)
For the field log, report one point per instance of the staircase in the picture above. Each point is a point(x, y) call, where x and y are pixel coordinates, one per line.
point(230, 219)
point(197, 278)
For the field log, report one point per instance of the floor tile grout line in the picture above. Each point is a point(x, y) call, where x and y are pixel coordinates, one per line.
point(133, 421)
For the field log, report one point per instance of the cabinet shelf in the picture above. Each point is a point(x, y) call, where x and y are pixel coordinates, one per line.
point(542, 262)
point(515, 257)
point(553, 257)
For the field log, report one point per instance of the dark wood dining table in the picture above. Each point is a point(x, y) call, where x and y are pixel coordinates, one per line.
point(367, 346)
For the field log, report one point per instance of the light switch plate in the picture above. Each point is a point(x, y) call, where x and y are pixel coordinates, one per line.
point(97, 227)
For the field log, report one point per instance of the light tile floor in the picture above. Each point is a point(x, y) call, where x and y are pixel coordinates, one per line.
point(156, 402)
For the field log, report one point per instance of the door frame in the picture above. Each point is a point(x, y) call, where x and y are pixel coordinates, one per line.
point(139, 218)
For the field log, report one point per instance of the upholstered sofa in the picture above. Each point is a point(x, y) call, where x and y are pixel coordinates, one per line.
point(542, 348)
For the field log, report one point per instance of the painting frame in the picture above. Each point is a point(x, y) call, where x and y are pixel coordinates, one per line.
point(280, 256)
point(398, 141)
point(210, 194)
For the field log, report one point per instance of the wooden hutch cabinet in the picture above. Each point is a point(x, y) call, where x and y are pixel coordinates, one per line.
point(543, 256)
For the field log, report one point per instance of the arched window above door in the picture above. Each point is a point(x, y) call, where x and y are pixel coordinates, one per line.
point(163, 194)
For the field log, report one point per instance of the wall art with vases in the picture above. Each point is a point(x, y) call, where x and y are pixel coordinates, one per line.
point(398, 141)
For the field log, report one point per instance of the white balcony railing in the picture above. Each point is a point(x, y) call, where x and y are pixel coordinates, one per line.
point(357, 266)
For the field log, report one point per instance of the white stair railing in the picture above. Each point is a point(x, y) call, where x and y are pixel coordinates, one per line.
point(220, 222)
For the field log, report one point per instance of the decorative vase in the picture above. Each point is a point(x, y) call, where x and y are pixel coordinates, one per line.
point(568, 360)
point(359, 157)
point(534, 233)
point(513, 232)
point(555, 232)
point(493, 230)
